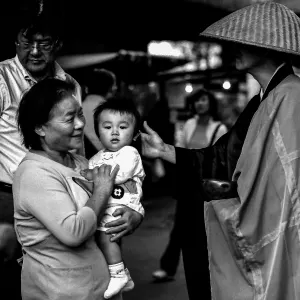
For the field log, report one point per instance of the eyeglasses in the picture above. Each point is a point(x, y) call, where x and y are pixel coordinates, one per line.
point(45, 47)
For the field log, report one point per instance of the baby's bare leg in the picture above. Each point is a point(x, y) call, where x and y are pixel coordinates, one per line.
point(113, 256)
point(111, 250)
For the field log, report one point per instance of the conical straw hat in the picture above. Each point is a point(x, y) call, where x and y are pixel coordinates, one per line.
point(268, 25)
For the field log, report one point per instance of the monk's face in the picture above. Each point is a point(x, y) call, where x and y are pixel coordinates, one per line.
point(247, 58)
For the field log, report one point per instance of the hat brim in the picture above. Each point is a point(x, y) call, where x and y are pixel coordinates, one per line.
point(243, 42)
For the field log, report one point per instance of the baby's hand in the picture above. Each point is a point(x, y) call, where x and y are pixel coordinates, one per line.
point(87, 174)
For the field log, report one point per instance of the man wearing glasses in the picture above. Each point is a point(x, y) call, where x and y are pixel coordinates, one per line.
point(37, 43)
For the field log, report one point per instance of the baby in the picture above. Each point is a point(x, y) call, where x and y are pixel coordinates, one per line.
point(116, 124)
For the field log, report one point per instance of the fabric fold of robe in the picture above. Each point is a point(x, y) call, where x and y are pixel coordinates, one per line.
point(253, 240)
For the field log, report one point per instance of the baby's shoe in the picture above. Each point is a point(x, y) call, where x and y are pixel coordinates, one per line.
point(130, 284)
point(118, 280)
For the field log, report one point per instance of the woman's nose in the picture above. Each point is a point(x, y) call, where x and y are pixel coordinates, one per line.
point(79, 122)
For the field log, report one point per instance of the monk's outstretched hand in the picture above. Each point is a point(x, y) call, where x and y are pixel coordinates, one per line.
point(152, 144)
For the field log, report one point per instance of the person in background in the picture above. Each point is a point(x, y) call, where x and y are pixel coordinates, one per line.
point(158, 171)
point(250, 176)
point(101, 85)
point(202, 130)
point(116, 124)
point(37, 40)
point(55, 218)
point(205, 127)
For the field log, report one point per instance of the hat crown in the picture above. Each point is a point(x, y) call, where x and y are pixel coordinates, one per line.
point(268, 25)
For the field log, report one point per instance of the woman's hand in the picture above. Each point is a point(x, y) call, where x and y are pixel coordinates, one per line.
point(103, 178)
point(152, 144)
point(129, 220)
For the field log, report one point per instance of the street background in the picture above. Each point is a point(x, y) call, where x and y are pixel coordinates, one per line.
point(143, 249)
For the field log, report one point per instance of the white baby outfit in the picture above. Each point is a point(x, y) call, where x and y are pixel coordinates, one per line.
point(128, 184)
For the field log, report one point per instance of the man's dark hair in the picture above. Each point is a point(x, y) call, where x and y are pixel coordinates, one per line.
point(39, 16)
point(121, 105)
point(36, 106)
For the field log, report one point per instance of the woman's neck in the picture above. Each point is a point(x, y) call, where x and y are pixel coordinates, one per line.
point(64, 158)
point(203, 119)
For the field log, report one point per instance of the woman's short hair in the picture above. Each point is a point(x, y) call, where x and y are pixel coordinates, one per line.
point(120, 104)
point(36, 106)
point(195, 96)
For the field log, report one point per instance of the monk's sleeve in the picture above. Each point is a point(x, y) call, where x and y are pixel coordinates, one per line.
point(217, 161)
point(192, 165)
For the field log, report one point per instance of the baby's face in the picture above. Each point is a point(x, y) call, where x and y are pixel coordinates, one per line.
point(115, 129)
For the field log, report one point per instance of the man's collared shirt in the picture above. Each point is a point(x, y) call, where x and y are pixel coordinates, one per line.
point(14, 81)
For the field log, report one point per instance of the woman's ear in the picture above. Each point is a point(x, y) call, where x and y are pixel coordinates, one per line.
point(40, 131)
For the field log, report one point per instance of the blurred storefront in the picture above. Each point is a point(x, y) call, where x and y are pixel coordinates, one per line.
point(167, 73)
point(211, 67)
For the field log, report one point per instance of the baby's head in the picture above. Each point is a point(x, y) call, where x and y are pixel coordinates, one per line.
point(116, 122)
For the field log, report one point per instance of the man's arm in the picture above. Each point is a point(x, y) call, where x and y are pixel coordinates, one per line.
point(154, 147)
point(3, 94)
point(192, 165)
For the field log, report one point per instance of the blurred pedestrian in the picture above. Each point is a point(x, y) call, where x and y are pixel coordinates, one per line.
point(101, 84)
point(202, 130)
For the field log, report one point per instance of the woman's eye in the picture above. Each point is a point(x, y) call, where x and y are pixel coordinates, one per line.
point(70, 120)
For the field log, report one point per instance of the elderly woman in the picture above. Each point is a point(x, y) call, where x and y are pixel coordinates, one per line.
point(55, 218)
